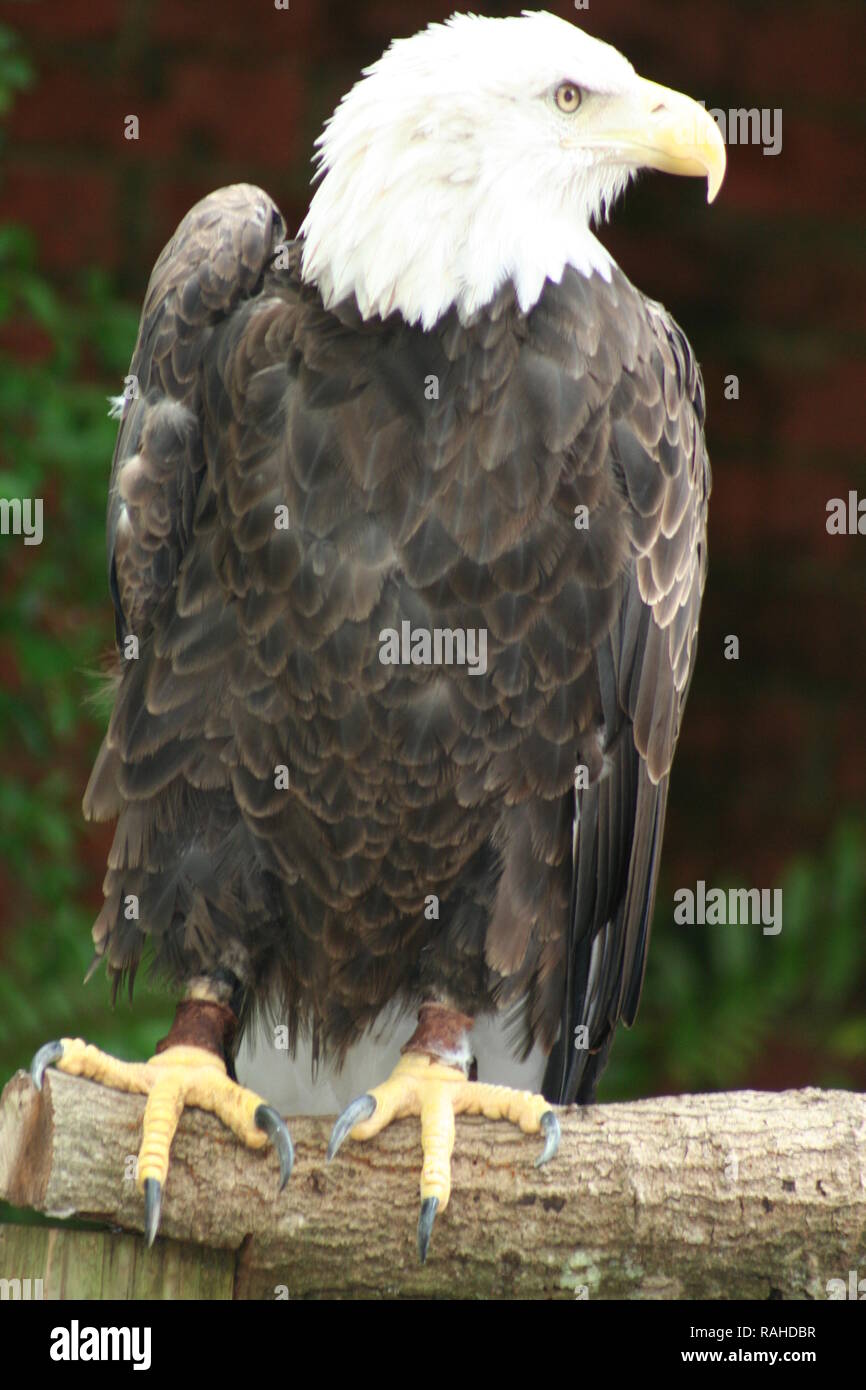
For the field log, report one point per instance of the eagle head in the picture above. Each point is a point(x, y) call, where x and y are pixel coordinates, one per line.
point(482, 150)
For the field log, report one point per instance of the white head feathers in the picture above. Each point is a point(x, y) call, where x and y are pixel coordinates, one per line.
point(448, 168)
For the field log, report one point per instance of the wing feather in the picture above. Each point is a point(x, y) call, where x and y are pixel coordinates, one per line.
point(159, 770)
point(644, 668)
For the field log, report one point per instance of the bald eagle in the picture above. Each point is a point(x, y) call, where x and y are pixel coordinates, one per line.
point(407, 541)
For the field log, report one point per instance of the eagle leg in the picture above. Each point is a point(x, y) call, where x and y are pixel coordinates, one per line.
point(431, 1081)
point(183, 1072)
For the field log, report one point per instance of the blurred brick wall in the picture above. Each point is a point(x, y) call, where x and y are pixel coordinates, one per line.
point(770, 285)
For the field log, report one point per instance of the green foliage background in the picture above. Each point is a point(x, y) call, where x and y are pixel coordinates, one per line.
point(56, 442)
point(716, 1003)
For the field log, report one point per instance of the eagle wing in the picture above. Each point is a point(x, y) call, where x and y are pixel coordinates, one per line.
point(158, 496)
point(215, 259)
point(644, 668)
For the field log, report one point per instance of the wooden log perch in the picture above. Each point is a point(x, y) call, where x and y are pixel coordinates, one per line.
point(744, 1194)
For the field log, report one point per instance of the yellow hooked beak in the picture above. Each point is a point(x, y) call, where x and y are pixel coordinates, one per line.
point(654, 127)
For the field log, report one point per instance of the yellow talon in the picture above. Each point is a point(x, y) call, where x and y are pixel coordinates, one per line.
point(437, 1092)
point(181, 1075)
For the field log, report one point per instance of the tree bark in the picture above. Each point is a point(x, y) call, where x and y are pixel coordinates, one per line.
point(738, 1195)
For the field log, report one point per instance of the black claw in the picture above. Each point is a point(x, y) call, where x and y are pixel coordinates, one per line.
point(551, 1131)
point(274, 1126)
point(48, 1053)
point(152, 1208)
point(429, 1208)
point(354, 1114)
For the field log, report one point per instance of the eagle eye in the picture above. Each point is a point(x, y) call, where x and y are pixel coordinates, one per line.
point(568, 96)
